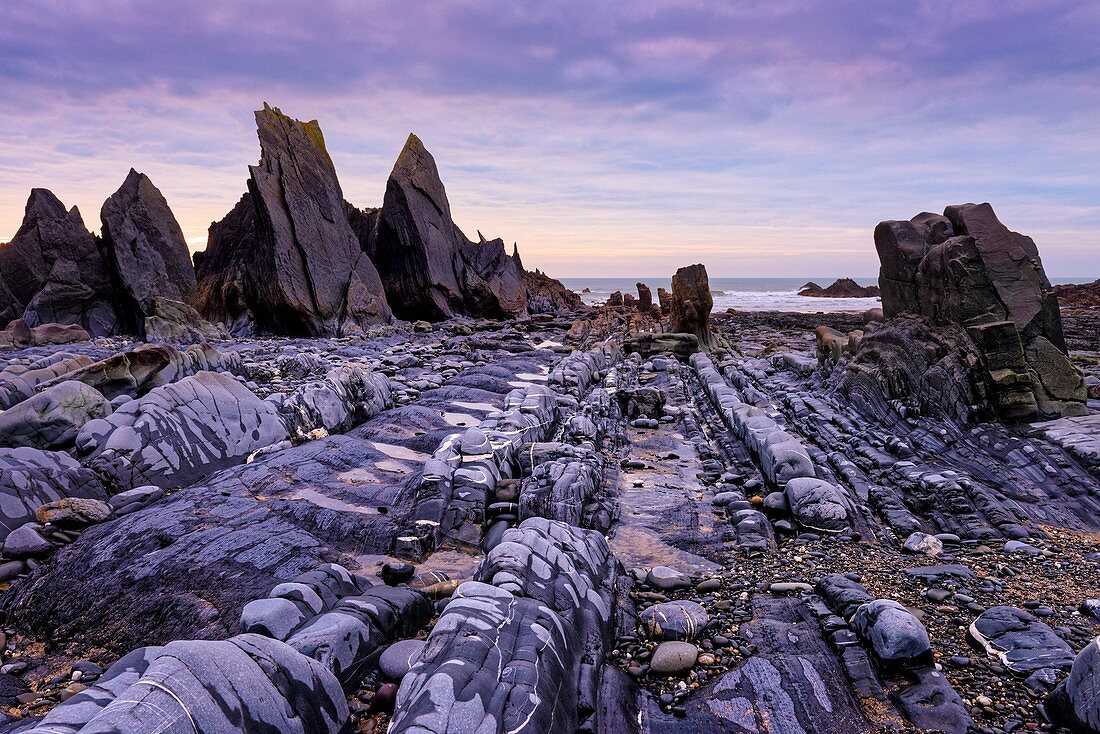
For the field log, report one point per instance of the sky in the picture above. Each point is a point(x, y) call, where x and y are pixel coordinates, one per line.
point(761, 138)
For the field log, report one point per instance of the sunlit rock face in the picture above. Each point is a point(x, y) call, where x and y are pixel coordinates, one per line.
point(967, 268)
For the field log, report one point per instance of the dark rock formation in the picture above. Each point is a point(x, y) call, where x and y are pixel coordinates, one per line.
point(691, 303)
point(967, 268)
point(430, 269)
point(547, 295)
point(841, 288)
point(1085, 295)
point(145, 251)
point(53, 272)
point(286, 260)
point(645, 297)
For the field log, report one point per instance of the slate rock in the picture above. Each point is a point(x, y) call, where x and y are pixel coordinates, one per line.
point(51, 418)
point(400, 657)
point(53, 272)
point(896, 637)
point(145, 249)
point(1020, 640)
point(286, 260)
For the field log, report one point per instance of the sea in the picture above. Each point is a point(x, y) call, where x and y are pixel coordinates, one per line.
point(743, 294)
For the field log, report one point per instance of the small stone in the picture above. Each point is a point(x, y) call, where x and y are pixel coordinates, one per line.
point(673, 657)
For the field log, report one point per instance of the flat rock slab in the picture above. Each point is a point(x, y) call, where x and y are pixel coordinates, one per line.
point(1020, 640)
point(793, 684)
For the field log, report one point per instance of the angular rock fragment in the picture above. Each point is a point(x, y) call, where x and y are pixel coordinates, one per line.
point(429, 268)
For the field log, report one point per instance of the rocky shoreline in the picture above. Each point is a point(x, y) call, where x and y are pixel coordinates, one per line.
point(365, 475)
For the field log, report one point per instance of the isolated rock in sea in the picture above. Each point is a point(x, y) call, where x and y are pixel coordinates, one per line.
point(691, 303)
point(53, 272)
point(430, 269)
point(967, 268)
point(144, 246)
point(286, 260)
point(841, 288)
point(547, 295)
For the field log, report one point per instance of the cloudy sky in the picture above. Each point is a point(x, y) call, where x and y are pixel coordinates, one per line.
point(761, 138)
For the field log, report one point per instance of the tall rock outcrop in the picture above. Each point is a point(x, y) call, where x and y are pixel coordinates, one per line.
point(53, 271)
point(429, 268)
point(967, 268)
point(691, 303)
point(145, 251)
point(286, 260)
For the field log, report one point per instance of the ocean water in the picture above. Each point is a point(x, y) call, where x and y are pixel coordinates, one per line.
point(743, 294)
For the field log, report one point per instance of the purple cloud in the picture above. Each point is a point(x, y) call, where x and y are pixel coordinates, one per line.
point(758, 137)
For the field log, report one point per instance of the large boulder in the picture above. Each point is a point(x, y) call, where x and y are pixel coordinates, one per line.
point(19, 382)
point(897, 638)
point(176, 322)
point(51, 419)
point(145, 249)
point(179, 432)
point(30, 478)
point(817, 504)
point(967, 268)
point(430, 269)
point(53, 272)
point(139, 370)
point(1075, 703)
point(691, 303)
point(286, 260)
